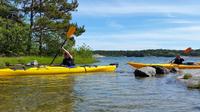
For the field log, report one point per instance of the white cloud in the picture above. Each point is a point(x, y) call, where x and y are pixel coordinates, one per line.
point(114, 24)
point(190, 29)
point(170, 38)
point(123, 45)
point(182, 33)
point(176, 21)
point(119, 8)
point(135, 45)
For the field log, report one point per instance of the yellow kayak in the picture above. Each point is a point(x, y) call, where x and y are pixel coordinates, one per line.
point(166, 65)
point(53, 70)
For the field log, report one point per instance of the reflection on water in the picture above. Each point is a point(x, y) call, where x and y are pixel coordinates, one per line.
point(125, 93)
point(99, 92)
point(36, 93)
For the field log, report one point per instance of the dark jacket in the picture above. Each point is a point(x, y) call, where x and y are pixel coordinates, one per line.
point(68, 62)
point(178, 60)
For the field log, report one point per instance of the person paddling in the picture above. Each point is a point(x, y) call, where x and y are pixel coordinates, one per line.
point(178, 60)
point(68, 60)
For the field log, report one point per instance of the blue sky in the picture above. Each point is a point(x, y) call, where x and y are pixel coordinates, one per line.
point(139, 24)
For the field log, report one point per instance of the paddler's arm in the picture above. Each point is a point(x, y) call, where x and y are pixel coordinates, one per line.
point(67, 52)
point(171, 61)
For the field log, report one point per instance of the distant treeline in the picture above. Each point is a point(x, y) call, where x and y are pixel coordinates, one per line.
point(142, 53)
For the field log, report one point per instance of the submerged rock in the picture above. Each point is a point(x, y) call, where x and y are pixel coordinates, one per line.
point(145, 72)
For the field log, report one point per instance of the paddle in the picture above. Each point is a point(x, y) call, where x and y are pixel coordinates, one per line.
point(69, 34)
point(187, 50)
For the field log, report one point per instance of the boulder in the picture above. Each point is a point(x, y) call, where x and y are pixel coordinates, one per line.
point(145, 72)
point(161, 70)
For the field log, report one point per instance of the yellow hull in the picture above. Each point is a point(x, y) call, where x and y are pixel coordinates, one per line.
point(53, 70)
point(169, 66)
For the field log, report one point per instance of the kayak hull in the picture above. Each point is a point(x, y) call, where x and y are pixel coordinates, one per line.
point(169, 66)
point(53, 70)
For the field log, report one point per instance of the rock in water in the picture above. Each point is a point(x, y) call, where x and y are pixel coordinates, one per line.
point(175, 70)
point(194, 82)
point(145, 72)
point(161, 70)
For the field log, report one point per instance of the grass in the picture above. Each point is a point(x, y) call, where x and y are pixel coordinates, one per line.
point(85, 60)
point(42, 60)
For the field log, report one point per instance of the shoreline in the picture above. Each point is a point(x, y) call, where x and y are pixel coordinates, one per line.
point(23, 60)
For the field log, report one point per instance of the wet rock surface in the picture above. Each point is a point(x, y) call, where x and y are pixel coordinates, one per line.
point(145, 72)
point(151, 71)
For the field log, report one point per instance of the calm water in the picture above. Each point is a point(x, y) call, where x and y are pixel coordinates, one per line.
point(99, 92)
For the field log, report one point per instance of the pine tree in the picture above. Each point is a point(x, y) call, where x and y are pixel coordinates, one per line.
point(49, 20)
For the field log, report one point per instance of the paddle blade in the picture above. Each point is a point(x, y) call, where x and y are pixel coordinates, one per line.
point(71, 31)
point(188, 50)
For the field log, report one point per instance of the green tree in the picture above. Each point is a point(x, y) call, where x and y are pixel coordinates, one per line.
point(49, 20)
point(13, 31)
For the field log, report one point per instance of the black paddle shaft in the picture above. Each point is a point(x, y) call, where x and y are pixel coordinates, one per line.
point(58, 52)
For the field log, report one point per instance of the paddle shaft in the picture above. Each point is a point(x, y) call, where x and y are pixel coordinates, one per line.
point(58, 52)
point(69, 34)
